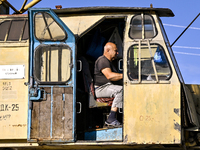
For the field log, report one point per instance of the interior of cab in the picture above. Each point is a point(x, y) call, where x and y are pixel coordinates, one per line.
point(89, 48)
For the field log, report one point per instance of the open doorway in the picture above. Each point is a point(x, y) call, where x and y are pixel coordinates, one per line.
point(90, 47)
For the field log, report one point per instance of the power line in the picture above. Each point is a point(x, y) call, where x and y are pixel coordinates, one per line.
point(185, 30)
point(187, 47)
point(186, 53)
point(178, 26)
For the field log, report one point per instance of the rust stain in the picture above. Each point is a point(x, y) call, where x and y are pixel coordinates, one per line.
point(19, 125)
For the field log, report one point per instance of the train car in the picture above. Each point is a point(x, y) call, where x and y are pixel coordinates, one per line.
point(46, 79)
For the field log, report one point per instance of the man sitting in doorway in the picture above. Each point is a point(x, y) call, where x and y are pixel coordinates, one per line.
point(104, 76)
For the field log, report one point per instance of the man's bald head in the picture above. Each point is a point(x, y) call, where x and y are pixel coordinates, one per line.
point(110, 51)
point(109, 46)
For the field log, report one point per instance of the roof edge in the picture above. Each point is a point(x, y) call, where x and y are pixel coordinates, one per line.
point(162, 12)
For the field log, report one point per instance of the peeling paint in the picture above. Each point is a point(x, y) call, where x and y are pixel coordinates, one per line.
point(177, 127)
point(126, 139)
point(177, 111)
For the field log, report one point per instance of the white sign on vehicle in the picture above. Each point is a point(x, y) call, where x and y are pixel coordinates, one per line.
point(12, 71)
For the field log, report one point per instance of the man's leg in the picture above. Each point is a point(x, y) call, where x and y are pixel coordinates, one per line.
point(110, 90)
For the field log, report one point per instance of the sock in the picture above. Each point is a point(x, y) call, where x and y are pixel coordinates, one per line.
point(111, 117)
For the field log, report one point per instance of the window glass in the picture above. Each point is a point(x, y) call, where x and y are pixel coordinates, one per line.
point(147, 61)
point(136, 27)
point(47, 29)
point(25, 33)
point(52, 63)
point(4, 29)
point(135, 31)
point(149, 27)
point(16, 30)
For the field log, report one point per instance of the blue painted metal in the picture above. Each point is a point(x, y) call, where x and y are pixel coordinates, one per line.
point(33, 98)
point(51, 112)
point(29, 123)
point(63, 97)
point(34, 42)
point(114, 134)
point(70, 41)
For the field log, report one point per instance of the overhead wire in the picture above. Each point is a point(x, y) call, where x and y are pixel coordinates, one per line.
point(185, 30)
point(178, 26)
point(186, 47)
point(193, 54)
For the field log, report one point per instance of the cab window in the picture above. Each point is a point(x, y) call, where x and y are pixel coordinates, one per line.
point(148, 64)
point(52, 63)
point(136, 30)
point(46, 28)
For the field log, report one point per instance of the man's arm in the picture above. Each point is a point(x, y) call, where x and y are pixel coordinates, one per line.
point(112, 76)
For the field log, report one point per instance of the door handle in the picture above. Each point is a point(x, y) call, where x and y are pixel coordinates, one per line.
point(120, 110)
point(79, 107)
point(119, 65)
point(80, 62)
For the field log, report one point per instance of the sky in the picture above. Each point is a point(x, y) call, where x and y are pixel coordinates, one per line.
point(186, 49)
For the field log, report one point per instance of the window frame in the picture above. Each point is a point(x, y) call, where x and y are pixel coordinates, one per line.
point(143, 26)
point(66, 35)
point(139, 80)
point(53, 82)
point(22, 32)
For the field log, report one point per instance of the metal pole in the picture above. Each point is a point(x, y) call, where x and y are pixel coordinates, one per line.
point(25, 1)
point(31, 4)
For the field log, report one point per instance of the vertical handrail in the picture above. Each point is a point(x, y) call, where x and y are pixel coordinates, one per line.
point(143, 33)
point(139, 69)
point(152, 60)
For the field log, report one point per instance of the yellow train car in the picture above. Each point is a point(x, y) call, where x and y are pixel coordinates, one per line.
point(46, 72)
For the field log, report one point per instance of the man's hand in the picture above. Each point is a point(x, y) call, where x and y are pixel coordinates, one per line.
point(112, 76)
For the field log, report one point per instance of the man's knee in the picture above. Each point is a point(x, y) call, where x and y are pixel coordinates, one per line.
point(118, 89)
point(118, 95)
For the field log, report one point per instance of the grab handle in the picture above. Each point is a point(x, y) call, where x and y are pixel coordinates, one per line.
point(120, 67)
point(80, 109)
point(80, 67)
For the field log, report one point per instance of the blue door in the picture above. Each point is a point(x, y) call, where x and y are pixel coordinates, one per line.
point(52, 83)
